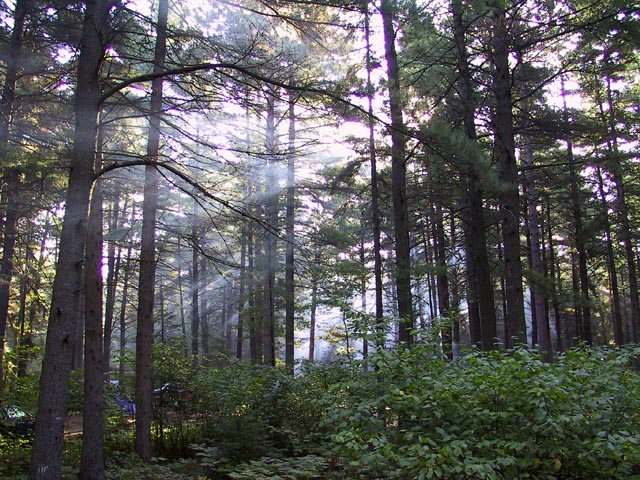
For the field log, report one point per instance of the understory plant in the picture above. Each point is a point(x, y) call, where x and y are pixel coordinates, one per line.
point(490, 415)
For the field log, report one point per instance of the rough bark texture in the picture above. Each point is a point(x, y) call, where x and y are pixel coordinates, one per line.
point(92, 464)
point(398, 180)
point(480, 297)
point(146, 289)
point(46, 457)
point(504, 151)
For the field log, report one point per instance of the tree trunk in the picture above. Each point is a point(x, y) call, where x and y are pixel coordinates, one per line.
point(123, 312)
point(398, 180)
point(313, 312)
point(11, 172)
point(504, 151)
point(614, 290)
point(195, 285)
point(204, 318)
point(480, 295)
point(442, 281)
point(146, 289)
point(46, 457)
point(290, 303)
point(113, 274)
point(92, 464)
point(242, 294)
point(539, 298)
point(271, 254)
point(623, 214)
point(375, 207)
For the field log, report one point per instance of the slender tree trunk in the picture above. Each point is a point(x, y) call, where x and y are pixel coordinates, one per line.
point(554, 274)
point(290, 303)
point(204, 318)
point(255, 351)
point(614, 290)
point(123, 312)
point(46, 456)
point(313, 312)
point(442, 281)
point(364, 326)
point(183, 320)
point(539, 299)
point(271, 254)
point(113, 273)
point(146, 288)
point(398, 180)
point(195, 300)
point(504, 151)
point(11, 173)
point(242, 294)
point(375, 207)
point(583, 308)
point(623, 214)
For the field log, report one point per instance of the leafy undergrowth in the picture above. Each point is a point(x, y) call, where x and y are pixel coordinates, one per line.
point(498, 415)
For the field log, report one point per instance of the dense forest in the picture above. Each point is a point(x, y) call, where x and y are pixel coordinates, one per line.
point(287, 239)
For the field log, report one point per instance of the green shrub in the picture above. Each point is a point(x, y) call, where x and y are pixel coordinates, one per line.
point(493, 415)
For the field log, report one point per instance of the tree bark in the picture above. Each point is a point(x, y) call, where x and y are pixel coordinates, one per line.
point(480, 295)
point(46, 457)
point(270, 247)
point(92, 464)
point(11, 172)
point(614, 289)
point(290, 303)
point(504, 151)
point(113, 274)
point(539, 298)
point(195, 285)
point(146, 288)
point(398, 180)
point(123, 312)
point(375, 196)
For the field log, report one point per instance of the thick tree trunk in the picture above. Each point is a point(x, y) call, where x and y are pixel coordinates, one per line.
point(146, 288)
point(46, 457)
point(92, 464)
point(504, 151)
point(398, 180)
point(480, 295)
